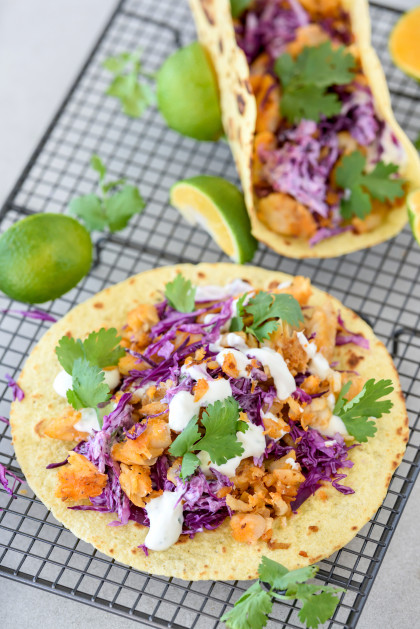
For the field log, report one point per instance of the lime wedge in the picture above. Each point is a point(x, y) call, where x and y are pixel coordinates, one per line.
point(404, 43)
point(413, 206)
point(43, 256)
point(188, 95)
point(219, 207)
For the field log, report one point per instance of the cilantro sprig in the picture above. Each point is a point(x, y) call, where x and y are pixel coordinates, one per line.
point(105, 210)
point(84, 361)
point(305, 81)
point(238, 6)
point(251, 610)
point(134, 96)
point(417, 142)
point(266, 310)
point(356, 414)
point(221, 422)
point(360, 187)
point(180, 294)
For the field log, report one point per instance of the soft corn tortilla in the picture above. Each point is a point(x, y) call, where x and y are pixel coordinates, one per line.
point(239, 112)
point(212, 554)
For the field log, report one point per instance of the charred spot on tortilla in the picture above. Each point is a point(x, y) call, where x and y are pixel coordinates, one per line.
point(353, 359)
point(221, 46)
point(313, 529)
point(241, 103)
point(98, 305)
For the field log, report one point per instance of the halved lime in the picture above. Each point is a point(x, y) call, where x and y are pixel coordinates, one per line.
point(404, 43)
point(43, 256)
point(413, 206)
point(219, 207)
point(188, 95)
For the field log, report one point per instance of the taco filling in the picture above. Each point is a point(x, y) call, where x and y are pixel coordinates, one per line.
point(217, 402)
point(324, 161)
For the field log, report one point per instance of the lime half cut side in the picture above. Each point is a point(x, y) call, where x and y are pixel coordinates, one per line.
point(413, 206)
point(219, 207)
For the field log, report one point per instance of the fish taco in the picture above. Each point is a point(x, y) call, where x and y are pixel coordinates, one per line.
point(324, 166)
point(191, 419)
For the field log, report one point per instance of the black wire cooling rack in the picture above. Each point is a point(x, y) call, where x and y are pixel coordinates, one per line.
point(381, 283)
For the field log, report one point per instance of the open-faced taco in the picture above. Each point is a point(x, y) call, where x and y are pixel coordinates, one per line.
point(251, 414)
point(324, 165)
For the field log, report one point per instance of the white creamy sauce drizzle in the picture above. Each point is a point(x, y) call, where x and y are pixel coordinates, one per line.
point(253, 441)
point(166, 519)
point(88, 422)
point(63, 381)
point(318, 364)
point(335, 425)
point(217, 293)
point(240, 359)
point(182, 407)
point(283, 379)
point(285, 284)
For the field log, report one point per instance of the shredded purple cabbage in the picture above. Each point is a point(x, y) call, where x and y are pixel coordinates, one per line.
point(4, 420)
point(328, 232)
point(271, 29)
point(144, 549)
point(32, 314)
point(4, 472)
point(17, 392)
point(202, 507)
point(350, 337)
point(319, 462)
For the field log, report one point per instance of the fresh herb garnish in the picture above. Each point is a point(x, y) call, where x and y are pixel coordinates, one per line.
point(180, 294)
point(88, 389)
point(417, 142)
point(238, 6)
point(306, 79)
point(221, 422)
point(266, 309)
point(360, 186)
point(112, 211)
point(100, 349)
point(84, 361)
point(252, 609)
point(134, 96)
point(356, 414)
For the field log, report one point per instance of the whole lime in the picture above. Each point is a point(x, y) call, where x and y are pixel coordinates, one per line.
point(43, 256)
point(188, 95)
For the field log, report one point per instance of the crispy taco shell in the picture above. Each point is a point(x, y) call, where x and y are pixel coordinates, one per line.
point(239, 112)
point(325, 522)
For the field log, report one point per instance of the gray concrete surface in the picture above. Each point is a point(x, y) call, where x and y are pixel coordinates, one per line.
point(42, 45)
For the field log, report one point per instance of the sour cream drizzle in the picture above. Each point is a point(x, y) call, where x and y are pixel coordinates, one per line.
point(63, 381)
point(318, 364)
point(253, 441)
point(166, 519)
point(88, 422)
point(283, 379)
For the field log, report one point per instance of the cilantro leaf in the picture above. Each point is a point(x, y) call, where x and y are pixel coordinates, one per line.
point(134, 96)
point(267, 306)
point(251, 610)
point(317, 608)
point(341, 400)
point(279, 577)
point(357, 184)
point(356, 414)
point(238, 6)
point(68, 350)
point(237, 323)
point(221, 423)
point(101, 211)
point(102, 348)
point(180, 294)
point(88, 389)
point(186, 439)
point(306, 79)
point(190, 462)
point(417, 142)
point(122, 206)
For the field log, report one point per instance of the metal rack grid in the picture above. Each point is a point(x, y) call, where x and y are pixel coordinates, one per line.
point(381, 283)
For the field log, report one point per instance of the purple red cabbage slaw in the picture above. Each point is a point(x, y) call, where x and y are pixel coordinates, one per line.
point(36, 313)
point(17, 392)
point(4, 472)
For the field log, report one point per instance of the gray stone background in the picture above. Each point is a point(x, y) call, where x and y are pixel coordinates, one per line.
point(43, 43)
